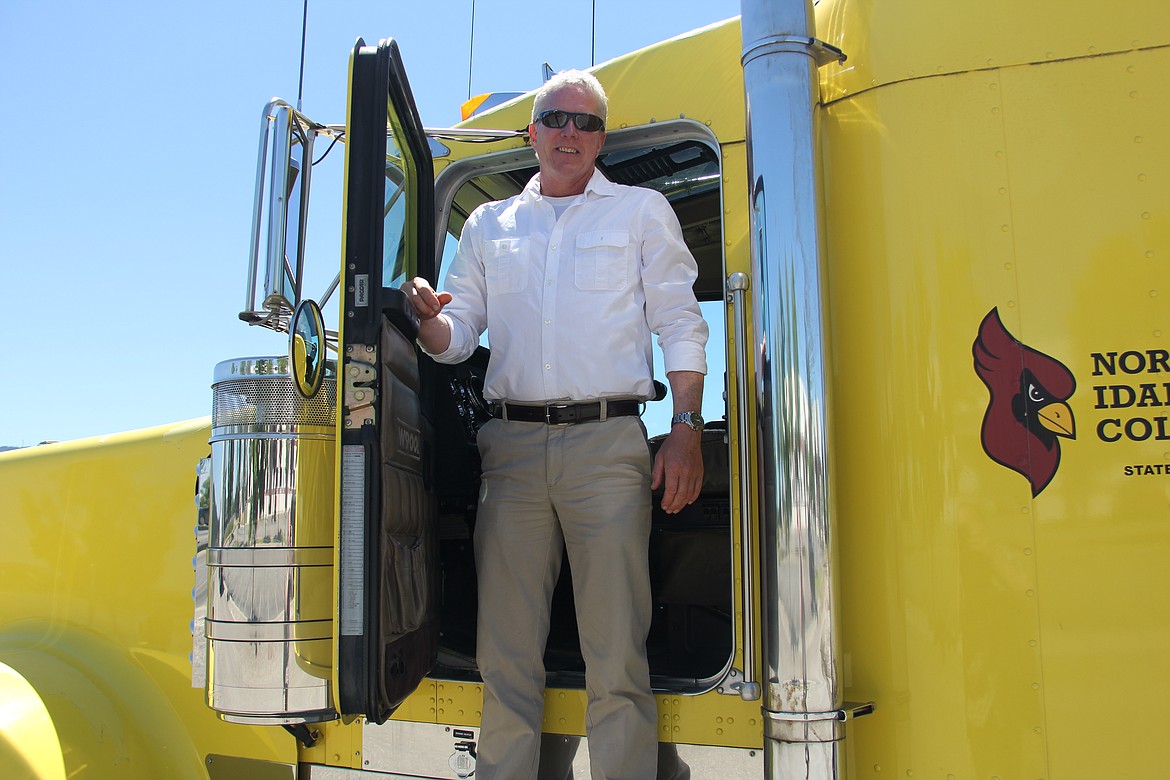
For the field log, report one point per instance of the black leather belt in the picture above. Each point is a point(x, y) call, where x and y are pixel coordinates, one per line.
point(565, 414)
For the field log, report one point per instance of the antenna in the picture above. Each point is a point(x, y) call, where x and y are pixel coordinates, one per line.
point(304, 30)
point(471, 50)
point(592, 39)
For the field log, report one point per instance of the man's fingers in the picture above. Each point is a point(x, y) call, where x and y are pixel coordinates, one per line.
point(657, 472)
point(414, 293)
point(680, 473)
point(680, 493)
point(426, 302)
point(430, 303)
point(674, 501)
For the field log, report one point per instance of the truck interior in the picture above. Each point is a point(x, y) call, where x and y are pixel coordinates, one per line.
point(691, 642)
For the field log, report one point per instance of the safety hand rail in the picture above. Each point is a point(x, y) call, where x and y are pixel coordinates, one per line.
point(749, 688)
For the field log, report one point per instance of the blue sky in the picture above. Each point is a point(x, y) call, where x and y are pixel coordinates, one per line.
point(126, 186)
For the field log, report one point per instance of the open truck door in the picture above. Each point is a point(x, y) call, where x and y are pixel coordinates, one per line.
point(387, 556)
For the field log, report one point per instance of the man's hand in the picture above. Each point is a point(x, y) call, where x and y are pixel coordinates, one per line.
point(427, 303)
point(678, 469)
point(434, 332)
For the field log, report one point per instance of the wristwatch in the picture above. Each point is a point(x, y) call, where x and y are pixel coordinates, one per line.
point(692, 420)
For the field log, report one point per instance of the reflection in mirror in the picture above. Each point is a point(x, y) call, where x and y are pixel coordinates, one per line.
point(307, 348)
point(286, 281)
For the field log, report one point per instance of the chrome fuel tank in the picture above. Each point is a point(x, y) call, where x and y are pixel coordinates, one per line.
point(269, 620)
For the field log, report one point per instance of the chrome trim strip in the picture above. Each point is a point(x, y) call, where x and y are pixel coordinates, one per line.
point(253, 366)
point(199, 564)
point(293, 631)
point(792, 726)
point(292, 432)
point(473, 133)
point(270, 556)
point(749, 689)
point(821, 52)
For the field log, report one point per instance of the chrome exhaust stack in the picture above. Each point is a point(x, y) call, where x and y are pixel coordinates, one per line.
point(804, 715)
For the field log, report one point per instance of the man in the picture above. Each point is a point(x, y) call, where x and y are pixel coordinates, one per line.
point(570, 278)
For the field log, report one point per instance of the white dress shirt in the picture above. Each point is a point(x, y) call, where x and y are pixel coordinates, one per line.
point(570, 304)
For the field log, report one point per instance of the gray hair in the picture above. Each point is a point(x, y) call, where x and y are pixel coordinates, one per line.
point(571, 78)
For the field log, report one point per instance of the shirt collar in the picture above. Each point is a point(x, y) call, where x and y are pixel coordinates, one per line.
point(597, 185)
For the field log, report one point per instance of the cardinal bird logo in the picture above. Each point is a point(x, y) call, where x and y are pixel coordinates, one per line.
point(1027, 412)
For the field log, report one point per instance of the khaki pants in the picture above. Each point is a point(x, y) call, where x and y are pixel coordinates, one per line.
point(584, 488)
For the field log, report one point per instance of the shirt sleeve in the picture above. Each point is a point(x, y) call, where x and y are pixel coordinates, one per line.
point(466, 314)
point(669, 272)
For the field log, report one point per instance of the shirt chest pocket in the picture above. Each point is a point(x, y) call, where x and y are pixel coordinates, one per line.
point(506, 266)
point(602, 260)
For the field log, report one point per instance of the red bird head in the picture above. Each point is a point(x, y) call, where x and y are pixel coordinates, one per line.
point(1027, 411)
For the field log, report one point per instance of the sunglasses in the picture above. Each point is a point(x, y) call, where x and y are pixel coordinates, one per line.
point(586, 123)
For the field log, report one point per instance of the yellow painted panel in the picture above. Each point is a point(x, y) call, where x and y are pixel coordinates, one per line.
point(421, 705)
point(895, 40)
point(564, 711)
point(986, 621)
point(736, 251)
point(696, 75)
point(1090, 191)
point(339, 744)
point(108, 654)
point(938, 594)
point(459, 703)
point(29, 747)
point(737, 258)
point(711, 719)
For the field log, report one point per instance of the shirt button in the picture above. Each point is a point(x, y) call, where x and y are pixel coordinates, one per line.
point(547, 366)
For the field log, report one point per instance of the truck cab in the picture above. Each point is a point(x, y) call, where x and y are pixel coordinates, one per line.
point(931, 242)
point(407, 476)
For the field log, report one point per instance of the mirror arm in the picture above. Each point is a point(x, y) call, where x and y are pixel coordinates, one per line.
point(332, 288)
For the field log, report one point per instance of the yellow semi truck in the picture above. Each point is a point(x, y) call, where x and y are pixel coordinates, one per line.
point(932, 242)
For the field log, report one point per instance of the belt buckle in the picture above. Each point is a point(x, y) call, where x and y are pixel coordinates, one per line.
point(558, 407)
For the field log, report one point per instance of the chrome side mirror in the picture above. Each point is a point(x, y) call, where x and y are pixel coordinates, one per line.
point(306, 348)
point(279, 214)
